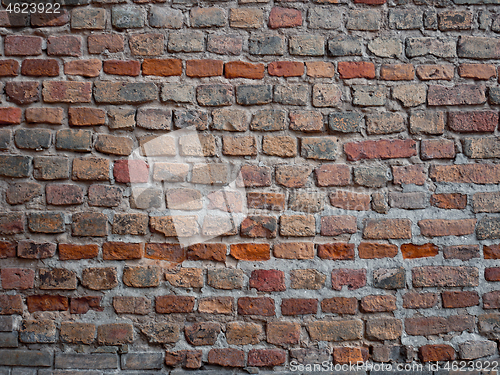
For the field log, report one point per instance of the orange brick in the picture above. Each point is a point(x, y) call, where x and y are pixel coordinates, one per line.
point(286, 69)
point(397, 72)
point(204, 68)
point(162, 67)
point(477, 71)
point(241, 69)
point(122, 68)
point(356, 69)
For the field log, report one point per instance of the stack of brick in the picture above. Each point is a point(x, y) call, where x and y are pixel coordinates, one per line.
point(362, 135)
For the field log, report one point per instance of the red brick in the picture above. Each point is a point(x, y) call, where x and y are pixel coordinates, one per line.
point(174, 304)
point(11, 304)
point(413, 300)
point(492, 273)
point(437, 149)
point(9, 68)
point(477, 71)
point(82, 305)
point(47, 303)
point(299, 306)
point(65, 45)
point(8, 249)
point(280, 333)
point(256, 306)
point(451, 201)
point(85, 116)
point(284, 17)
point(333, 175)
point(350, 201)
point(115, 334)
point(207, 251)
point(227, 357)
point(433, 325)
point(17, 45)
point(162, 67)
point(127, 170)
point(84, 68)
point(285, 69)
point(456, 95)
point(17, 278)
point(397, 72)
point(344, 354)
point(466, 173)
point(35, 250)
point(251, 251)
point(266, 357)
point(204, 68)
point(22, 92)
point(165, 251)
point(190, 359)
point(491, 252)
point(10, 116)
point(63, 194)
point(122, 68)
point(410, 174)
point(99, 43)
point(444, 276)
point(241, 69)
point(372, 250)
point(438, 227)
point(121, 250)
point(491, 300)
point(75, 252)
point(255, 176)
point(353, 279)
point(267, 280)
point(382, 149)
point(50, 20)
point(453, 300)
point(435, 353)
point(67, 92)
point(411, 251)
point(475, 121)
point(339, 305)
point(336, 225)
point(40, 67)
point(356, 69)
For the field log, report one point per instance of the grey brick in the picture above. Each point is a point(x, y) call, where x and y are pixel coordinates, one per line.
point(393, 278)
point(266, 45)
point(208, 17)
point(369, 95)
point(347, 122)
point(345, 46)
point(324, 18)
point(162, 17)
point(6, 323)
point(127, 17)
point(482, 148)
point(15, 165)
point(38, 331)
point(154, 118)
point(8, 340)
point(33, 139)
point(269, 120)
point(50, 168)
point(230, 119)
point(365, 19)
point(371, 177)
point(5, 138)
point(192, 41)
point(121, 118)
point(31, 358)
point(430, 19)
point(74, 140)
point(291, 94)
point(177, 93)
point(23, 371)
point(384, 123)
point(430, 46)
point(477, 349)
point(386, 47)
point(320, 148)
point(307, 45)
point(408, 201)
point(142, 361)
point(215, 95)
point(184, 119)
point(476, 47)
point(494, 95)
point(254, 94)
point(124, 92)
point(86, 361)
point(406, 19)
point(88, 19)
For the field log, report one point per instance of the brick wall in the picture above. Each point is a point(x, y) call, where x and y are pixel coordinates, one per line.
point(248, 184)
